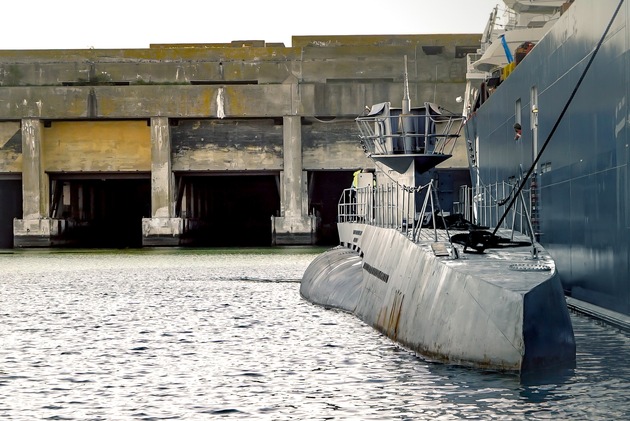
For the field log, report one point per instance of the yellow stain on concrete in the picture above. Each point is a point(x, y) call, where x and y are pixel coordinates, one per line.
point(8, 129)
point(75, 146)
point(10, 162)
point(160, 52)
point(10, 153)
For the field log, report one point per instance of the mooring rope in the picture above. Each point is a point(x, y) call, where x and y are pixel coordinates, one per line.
point(560, 117)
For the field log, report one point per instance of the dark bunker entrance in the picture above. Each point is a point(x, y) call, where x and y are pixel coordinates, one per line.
point(227, 210)
point(103, 212)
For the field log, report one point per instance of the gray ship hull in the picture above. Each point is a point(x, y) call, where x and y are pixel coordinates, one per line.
point(582, 201)
point(473, 310)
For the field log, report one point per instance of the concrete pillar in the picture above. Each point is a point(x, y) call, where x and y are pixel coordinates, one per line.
point(292, 174)
point(163, 228)
point(35, 229)
point(294, 226)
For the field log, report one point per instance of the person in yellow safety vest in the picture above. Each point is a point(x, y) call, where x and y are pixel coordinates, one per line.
point(355, 178)
point(353, 195)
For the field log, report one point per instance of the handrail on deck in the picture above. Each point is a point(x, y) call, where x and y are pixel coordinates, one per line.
point(393, 206)
point(483, 205)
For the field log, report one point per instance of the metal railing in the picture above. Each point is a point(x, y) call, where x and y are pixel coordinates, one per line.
point(428, 130)
point(393, 206)
point(484, 206)
point(356, 205)
point(413, 211)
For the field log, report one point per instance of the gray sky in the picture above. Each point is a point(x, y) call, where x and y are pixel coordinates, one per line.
point(66, 24)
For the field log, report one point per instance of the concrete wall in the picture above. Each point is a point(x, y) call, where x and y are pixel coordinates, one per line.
point(94, 146)
point(225, 106)
point(319, 78)
point(225, 145)
point(10, 147)
point(335, 75)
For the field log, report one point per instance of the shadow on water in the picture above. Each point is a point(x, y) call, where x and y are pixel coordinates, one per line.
point(541, 386)
point(554, 375)
point(510, 393)
point(558, 376)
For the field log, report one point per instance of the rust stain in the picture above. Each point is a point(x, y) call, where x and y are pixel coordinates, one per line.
point(394, 315)
point(380, 320)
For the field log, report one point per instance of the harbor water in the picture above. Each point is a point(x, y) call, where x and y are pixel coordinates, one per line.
point(203, 334)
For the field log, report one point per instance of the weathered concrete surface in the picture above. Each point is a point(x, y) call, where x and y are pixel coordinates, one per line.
point(42, 232)
point(10, 147)
point(115, 102)
point(228, 108)
point(34, 178)
point(294, 225)
point(97, 146)
point(163, 228)
point(324, 76)
point(293, 230)
point(34, 228)
point(472, 311)
point(331, 145)
point(162, 231)
point(227, 145)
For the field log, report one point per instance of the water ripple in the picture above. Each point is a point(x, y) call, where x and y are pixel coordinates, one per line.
point(195, 335)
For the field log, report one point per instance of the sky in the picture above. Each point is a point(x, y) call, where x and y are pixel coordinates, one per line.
point(102, 24)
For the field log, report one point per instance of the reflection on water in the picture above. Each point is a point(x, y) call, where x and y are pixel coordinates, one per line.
point(185, 334)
